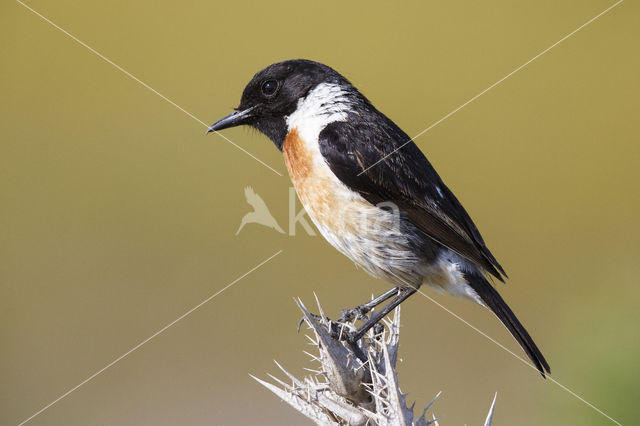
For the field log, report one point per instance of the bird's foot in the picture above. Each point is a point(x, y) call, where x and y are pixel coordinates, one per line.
point(352, 336)
point(354, 314)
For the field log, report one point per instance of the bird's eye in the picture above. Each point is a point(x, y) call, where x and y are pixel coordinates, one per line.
point(269, 87)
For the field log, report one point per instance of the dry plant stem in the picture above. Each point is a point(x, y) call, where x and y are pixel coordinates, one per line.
point(355, 383)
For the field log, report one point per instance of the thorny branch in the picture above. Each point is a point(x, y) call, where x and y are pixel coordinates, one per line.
point(354, 384)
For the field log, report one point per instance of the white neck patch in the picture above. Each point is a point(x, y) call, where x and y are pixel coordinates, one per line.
point(325, 104)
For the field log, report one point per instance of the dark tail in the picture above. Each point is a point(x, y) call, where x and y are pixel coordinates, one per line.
point(499, 307)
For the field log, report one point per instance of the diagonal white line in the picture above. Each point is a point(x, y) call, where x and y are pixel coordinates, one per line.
point(133, 77)
point(492, 86)
point(520, 358)
point(163, 329)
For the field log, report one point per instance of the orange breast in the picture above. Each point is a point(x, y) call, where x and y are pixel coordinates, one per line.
point(329, 203)
point(311, 182)
point(297, 157)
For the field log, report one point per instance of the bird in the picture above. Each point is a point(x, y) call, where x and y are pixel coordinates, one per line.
point(371, 192)
point(260, 213)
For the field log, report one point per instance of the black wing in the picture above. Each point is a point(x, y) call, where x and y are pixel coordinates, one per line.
point(405, 178)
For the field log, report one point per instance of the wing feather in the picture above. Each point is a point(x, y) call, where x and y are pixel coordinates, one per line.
point(405, 178)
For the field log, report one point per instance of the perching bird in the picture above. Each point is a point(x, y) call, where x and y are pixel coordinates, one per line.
point(260, 213)
point(371, 192)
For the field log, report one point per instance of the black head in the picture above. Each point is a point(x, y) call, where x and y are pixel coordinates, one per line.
point(273, 94)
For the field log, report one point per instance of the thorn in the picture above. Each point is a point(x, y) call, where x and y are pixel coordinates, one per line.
point(489, 419)
point(434, 421)
point(280, 382)
point(300, 304)
point(319, 307)
point(314, 341)
point(432, 401)
point(313, 357)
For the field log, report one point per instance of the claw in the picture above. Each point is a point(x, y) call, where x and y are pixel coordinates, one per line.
point(354, 314)
point(378, 329)
point(346, 315)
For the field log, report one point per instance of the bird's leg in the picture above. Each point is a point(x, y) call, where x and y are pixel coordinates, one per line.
point(403, 294)
point(359, 312)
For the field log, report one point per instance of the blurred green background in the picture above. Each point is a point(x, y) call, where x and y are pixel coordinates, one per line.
point(118, 214)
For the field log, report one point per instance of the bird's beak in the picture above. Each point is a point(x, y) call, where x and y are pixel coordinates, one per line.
point(232, 120)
